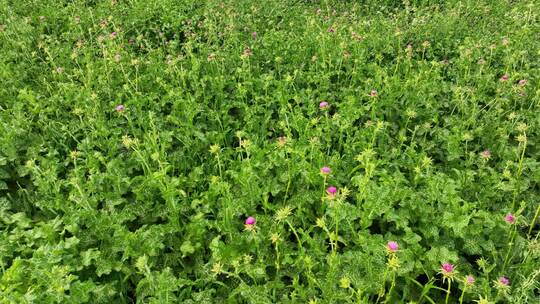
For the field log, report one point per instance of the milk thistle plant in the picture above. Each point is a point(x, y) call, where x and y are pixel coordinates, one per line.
point(174, 151)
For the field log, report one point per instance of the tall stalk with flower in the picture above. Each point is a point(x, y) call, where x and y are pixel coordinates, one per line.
point(392, 264)
point(449, 273)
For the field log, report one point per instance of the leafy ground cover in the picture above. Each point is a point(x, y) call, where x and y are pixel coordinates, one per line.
point(165, 151)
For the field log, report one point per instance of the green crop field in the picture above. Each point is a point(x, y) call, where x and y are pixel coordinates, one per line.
point(278, 151)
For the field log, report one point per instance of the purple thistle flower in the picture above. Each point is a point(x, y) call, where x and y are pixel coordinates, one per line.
point(331, 30)
point(469, 280)
point(504, 281)
point(522, 82)
point(447, 268)
point(254, 35)
point(113, 35)
point(250, 221)
point(331, 191)
point(373, 93)
point(392, 246)
point(120, 108)
point(323, 105)
point(504, 77)
point(509, 218)
point(326, 170)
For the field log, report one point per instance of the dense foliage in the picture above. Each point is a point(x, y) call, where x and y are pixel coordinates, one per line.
point(240, 151)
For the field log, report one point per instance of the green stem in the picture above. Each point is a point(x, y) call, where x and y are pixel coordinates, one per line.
point(448, 292)
point(219, 165)
point(381, 293)
point(462, 294)
point(296, 235)
point(506, 258)
point(389, 294)
point(336, 235)
point(519, 171)
point(533, 221)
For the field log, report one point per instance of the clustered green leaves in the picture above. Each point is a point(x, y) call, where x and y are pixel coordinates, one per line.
point(147, 204)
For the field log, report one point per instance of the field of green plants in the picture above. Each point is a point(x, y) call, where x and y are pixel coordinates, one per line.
point(279, 151)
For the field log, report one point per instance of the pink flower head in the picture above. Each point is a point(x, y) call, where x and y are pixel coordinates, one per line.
point(522, 82)
point(447, 268)
point(254, 35)
point(469, 280)
point(113, 35)
point(331, 30)
point(509, 218)
point(504, 281)
point(504, 77)
point(250, 221)
point(392, 246)
point(326, 170)
point(331, 190)
point(485, 154)
point(373, 93)
point(120, 108)
point(323, 105)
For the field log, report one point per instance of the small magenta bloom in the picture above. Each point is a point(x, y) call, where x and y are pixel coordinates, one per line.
point(469, 280)
point(509, 218)
point(254, 35)
point(323, 105)
point(373, 93)
point(331, 30)
point(447, 268)
point(120, 108)
point(504, 281)
point(504, 77)
point(331, 190)
point(113, 34)
point(392, 246)
point(326, 170)
point(250, 221)
point(448, 271)
point(522, 82)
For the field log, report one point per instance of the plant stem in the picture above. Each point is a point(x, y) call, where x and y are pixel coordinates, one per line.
point(389, 294)
point(506, 258)
point(533, 221)
point(448, 292)
point(462, 294)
